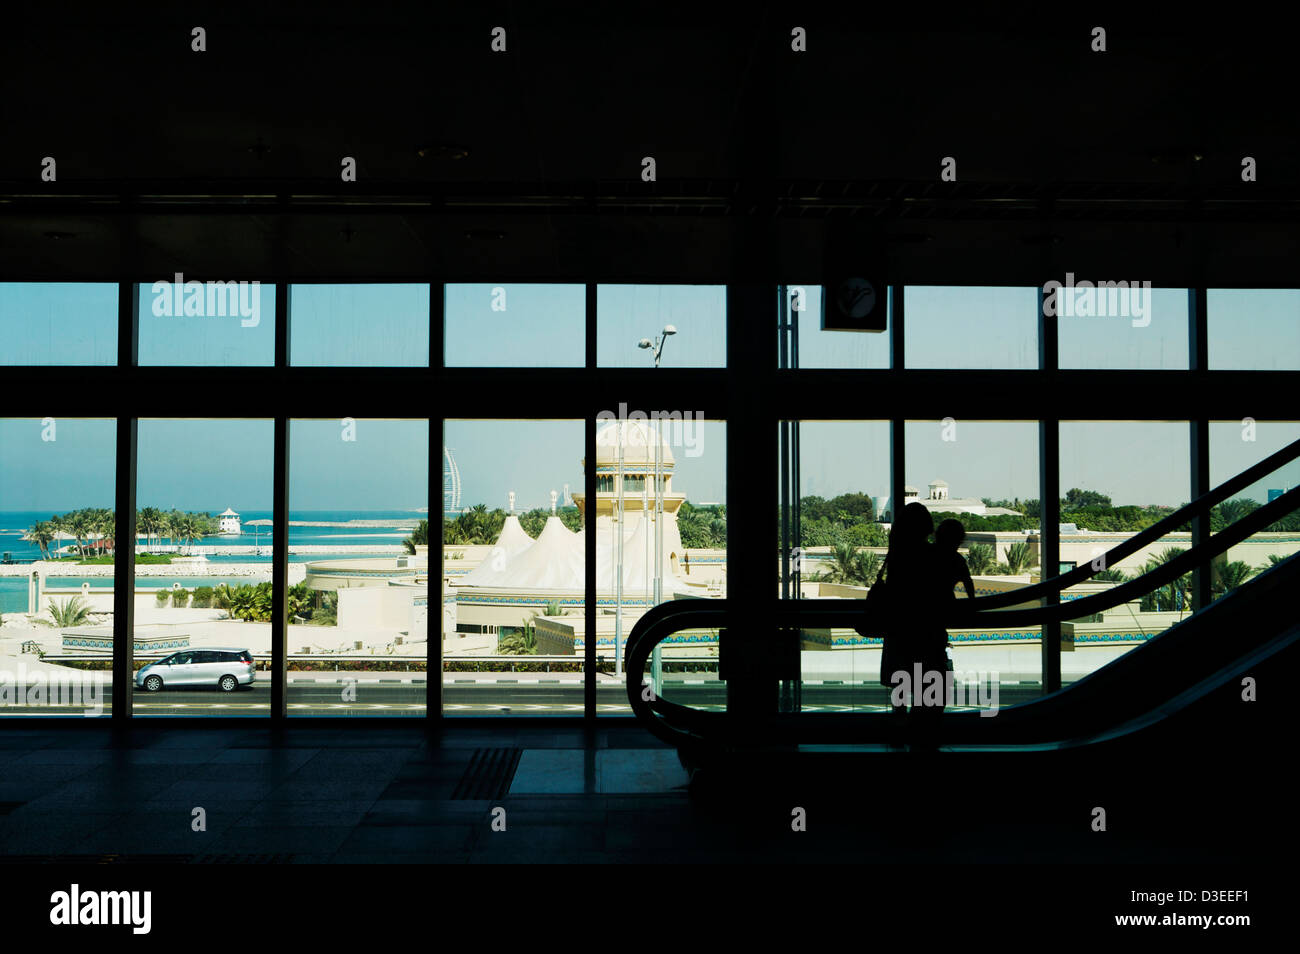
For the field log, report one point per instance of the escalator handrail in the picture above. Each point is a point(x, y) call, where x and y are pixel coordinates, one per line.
point(1200, 507)
point(667, 618)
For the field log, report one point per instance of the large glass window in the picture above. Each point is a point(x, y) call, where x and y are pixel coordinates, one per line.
point(202, 589)
point(1235, 446)
point(970, 327)
point(979, 480)
point(359, 571)
point(58, 543)
point(513, 587)
point(804, 344)
point(359, 325)
point(1253, 329)
point(190, 322)
point(515, 325)
point(63, 323)
point(1117, 478)
point(652, 547)
point(1122, 328)
point(670, 326)
point(837, 537)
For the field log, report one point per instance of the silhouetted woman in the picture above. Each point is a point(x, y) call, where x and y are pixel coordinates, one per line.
point(914, 631)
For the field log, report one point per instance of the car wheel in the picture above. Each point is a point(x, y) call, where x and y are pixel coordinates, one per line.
point(152, 683)
point(228, 684)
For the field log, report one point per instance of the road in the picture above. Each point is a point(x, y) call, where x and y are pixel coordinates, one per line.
point(406, 699)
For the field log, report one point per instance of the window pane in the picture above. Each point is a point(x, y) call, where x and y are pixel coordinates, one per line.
point(842, 486)
point(673, 547)
point(1253, 329)
point(207, 323)
point(970, 327)
point(1124, 328)
point(513, 570)
point(1119, 477)
point(630, 314)
point(357, 492)
point(983, 476)
point(1235, 446)
point(198, 585)
point(58, 323)
point(359, 325)
point(517, 326)
point(56, 579)
point(808, 346)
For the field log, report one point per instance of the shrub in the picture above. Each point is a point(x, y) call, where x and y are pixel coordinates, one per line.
point(180, 598)
point(161, 598)
point(202, 597)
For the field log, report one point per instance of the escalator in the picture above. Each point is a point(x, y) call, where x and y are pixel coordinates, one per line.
point(1218, 645)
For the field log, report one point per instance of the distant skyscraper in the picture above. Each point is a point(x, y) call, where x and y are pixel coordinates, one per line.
point(450, 482)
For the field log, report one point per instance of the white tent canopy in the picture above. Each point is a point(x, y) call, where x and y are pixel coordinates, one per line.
point(556, 561)
point(511, 542)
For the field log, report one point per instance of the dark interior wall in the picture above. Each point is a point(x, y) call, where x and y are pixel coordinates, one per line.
point(1122, 164)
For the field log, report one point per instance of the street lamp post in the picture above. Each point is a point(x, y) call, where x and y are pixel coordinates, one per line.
point(656, 663)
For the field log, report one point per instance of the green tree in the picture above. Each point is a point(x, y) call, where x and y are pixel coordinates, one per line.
point(1076, 499)
point(180, 598)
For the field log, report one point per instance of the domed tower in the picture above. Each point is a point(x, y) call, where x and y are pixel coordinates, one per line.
point(638, 448)
point(938, 489)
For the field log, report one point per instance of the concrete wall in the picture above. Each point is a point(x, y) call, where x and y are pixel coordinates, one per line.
point(375, 607)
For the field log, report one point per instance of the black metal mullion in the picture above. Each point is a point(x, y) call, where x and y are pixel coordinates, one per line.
point(124, 500)
point(280, 520)
point(1049, 493)
point(589, 484)
point(1199, 438)
point(435, 409)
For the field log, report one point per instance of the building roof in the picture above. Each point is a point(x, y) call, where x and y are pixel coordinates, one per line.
point(229, 513)
point(638, 442)
point(938, 483)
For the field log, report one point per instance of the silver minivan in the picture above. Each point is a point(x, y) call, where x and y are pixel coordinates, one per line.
point(220, 668)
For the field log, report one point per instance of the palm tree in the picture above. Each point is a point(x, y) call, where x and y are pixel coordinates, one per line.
point(979, 557)
point(419, 537)
point(72, 613)
point(1019, 557)
point(1230, 511)
point(57, 525)
point(866, 567)
point(843, 558)
point(149, 521)
point(41, 535)
point(300, 599)
point(79, 527)
point(223, 598)
point(694, 529)
point(1173, 596)
point(1228, 576)
point(1110, 575)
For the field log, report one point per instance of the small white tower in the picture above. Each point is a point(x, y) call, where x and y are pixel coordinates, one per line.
point(228, 524)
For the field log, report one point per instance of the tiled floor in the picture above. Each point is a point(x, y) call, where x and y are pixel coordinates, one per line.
point(392, 794)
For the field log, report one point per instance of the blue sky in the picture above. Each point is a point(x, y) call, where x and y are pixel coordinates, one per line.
point(542, 325)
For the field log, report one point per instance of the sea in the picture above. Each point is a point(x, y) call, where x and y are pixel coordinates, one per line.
point(14, 523)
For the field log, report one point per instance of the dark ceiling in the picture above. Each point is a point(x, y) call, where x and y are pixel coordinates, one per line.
point(1122, 164)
